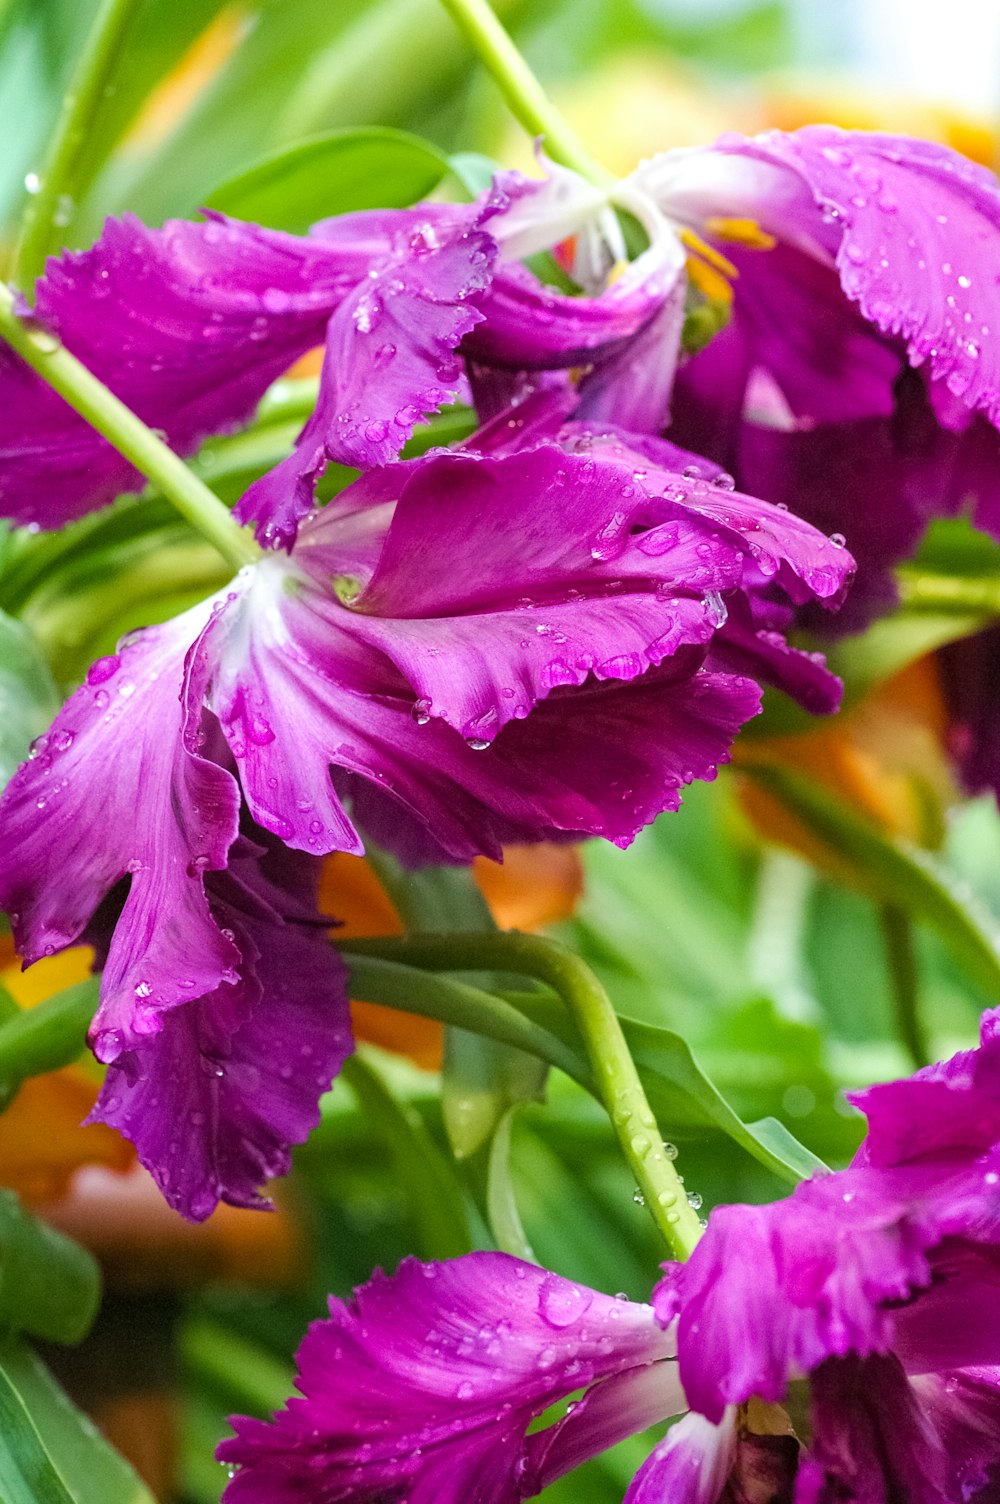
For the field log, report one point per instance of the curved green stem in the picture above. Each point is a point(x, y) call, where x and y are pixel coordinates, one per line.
point(58, 176)
point(47, 1037)
point(520, 88)
point(618, 1081)
point(130, 436)
point(381, 980)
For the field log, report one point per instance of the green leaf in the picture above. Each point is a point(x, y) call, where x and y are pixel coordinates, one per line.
point(49, 1285)
point(424, 1175)
point(28, 695)
point(92, 1472)
point(894, 871)
point(501, 1198)
point(27, 1473)
point(680, 1094)
point(336, 173)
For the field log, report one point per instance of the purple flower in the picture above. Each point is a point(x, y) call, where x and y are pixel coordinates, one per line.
point(191, 324)
point(422, 1388)
point(879, 1283)
point(856, 378)
point(593, 651)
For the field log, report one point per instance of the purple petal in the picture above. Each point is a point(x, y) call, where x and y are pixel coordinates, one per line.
point(871, 1442)
point(950, 1108)
point(424, 1385)
point(970, 678)
point(389, 360)
point(772, 1291)
point(690, 1465)
point(214, 1101)
point(613, 1409)
point(189, 325)
point(163, 818)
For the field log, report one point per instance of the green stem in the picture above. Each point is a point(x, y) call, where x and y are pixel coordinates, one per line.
point(618, 1081)
point(130, 436)
point(47, 1037)
point(944, 592)
point(524, 94)
point(58, 176)
point(897, 933)
point(396, 985)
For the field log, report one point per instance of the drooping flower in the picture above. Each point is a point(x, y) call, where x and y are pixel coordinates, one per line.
point(878, 1283)
point(189, 326)
point(567, 680)
point(422, 1388)
point(823, 268)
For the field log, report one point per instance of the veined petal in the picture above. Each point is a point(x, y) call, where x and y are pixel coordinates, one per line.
point(214, 1100)
point(188, 325)
point(894, 213)
point(162, 818)
point(690, 1465)
point(424, 1385)
point(389, 361)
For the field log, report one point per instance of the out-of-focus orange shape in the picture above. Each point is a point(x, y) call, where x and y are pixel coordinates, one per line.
point(885, 758)
point(177, 94)
point(534, 886)
point(791, 103)
point(42, 1140)
point(144, 1245)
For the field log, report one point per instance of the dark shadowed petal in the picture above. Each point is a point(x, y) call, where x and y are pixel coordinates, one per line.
point(214, 1101)
point(189, 325)
point(872, 1441)
point(118, 788)
point(424, 1385)
point(965, 1408)
point(970, 678)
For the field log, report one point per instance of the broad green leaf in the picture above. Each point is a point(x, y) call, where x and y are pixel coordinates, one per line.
point(92, 1471)
point(28, 695)
point(424, 1175)
point(894, 871)
point(336, 173)
point(49, 1285)
point(27, 1472)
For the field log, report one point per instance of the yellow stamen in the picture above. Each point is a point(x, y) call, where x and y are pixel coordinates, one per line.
point(710, 283)
point(707, 253)
point(743, 231)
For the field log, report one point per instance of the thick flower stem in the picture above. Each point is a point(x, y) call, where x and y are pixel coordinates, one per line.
point(524, 94)
point(57, 180)
point(130, 436)
point(617, 1079)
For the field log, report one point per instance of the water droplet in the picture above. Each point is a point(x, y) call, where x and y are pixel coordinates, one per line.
point(561, 1304)
point(670, 1150)
point(838, 540)
point(638, 1197)
point(421, 710)
point(694, 1201)
point(32, 182)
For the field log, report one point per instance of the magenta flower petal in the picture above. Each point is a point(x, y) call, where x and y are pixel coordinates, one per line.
point(424, 1385)
point(189, 325)
point(871, 1441)
point(232, 1079)
point(690, 1465)
point(166, 817)
point(389, 361)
